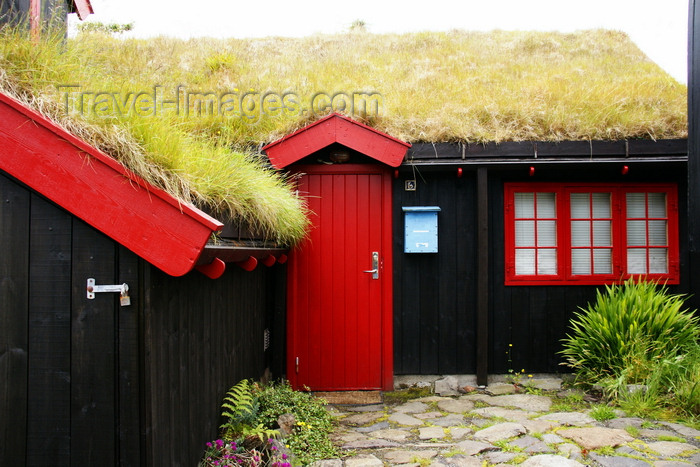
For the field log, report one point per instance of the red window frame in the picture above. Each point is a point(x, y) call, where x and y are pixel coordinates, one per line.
point(618, 213)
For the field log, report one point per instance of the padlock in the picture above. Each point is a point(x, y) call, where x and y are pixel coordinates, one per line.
point(124, 299)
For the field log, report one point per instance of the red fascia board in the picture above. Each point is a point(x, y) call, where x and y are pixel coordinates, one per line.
point(97, 189)
point(336, 128)
point(83, 8)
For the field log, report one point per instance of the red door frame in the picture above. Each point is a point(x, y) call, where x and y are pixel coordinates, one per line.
point(386, 265)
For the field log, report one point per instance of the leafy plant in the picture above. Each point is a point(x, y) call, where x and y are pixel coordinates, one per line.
point(636, 333)
point(240, 409)
point(310, 439)
point(602, 413)
point(628, 329)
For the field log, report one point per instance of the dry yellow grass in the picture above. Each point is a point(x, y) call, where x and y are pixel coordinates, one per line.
point(217, 101)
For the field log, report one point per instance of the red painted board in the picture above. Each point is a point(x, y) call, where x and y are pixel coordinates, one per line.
point(97, 189)
point(83, 8)
point(336, 128)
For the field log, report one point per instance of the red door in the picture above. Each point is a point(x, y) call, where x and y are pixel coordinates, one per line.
point(339, 287)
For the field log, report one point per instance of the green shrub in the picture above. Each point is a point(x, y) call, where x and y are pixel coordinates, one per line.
point(310, 439)
point(628, 330)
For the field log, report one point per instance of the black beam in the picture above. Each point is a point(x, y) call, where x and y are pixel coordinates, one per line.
point(694, 146)
point(482, 280)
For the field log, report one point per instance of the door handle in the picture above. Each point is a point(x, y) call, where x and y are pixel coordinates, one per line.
point(375, 265)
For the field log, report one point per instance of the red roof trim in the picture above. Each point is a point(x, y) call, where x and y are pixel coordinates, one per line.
point(83, 8)
point(97, 189)
point(336, 128)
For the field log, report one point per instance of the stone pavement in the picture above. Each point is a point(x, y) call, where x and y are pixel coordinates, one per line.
point(501, 427)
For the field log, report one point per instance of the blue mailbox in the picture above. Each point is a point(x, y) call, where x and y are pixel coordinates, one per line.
point(421, 233)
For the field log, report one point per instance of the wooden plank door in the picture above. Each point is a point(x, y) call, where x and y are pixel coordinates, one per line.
point(340, 316)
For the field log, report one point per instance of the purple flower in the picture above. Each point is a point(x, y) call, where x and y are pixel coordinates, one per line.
point(284, 456)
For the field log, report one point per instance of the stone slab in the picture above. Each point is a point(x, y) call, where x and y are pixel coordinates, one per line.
point(671, 448)
point(377, 426)
point(472, 448)
point(411, 407)
point(405, 419)
point(363, 461)
point(456, 405)
point(550, 460)
point(431, 432)
point(460, 432)
point(596, 437)
point(405, 457)
point(568, 418)
point(370, 443)
point(527, 402)
point(427, 415)
point(499, 432)
point(501, 412)
point(617, 461)
point(683, 430)
point(392, 434)
point(361, 418)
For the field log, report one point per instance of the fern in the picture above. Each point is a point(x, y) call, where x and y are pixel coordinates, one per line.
point(238, 402)
point(240, 409)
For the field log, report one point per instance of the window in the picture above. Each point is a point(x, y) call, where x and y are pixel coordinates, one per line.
point(590, 233)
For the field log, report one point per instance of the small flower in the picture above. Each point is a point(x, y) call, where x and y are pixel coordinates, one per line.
point(510, 345)
point(529, 376)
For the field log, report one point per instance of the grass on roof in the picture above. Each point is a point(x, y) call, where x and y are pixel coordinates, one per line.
point(217, 101)
point(194, 167)
point(425, 87)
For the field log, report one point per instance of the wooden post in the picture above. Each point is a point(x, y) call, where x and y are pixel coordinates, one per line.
point(694, 147)
point(35, 19)
point(482, 281)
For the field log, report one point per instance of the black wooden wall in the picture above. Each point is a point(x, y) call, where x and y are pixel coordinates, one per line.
point(87, 382)
point(202, 336)
point(68, 374)
point(434, 294)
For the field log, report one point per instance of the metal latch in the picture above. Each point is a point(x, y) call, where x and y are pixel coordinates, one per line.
point(122, 289)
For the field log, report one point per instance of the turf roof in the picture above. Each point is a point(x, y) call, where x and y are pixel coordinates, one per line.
point(218, 101)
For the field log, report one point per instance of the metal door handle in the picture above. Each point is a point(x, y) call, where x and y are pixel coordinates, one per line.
point(375, 265)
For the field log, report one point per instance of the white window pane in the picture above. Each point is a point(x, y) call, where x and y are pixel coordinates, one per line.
point(601, 233)
point(657, 233)
point(580, 233)
point(545, 205)
point(636, 233)
point(524, 233)
point(658, 263)
point(581, 261)
point(580, 208)
point(547, 261)
point(524, 205)
point(546, 233)
point(601, 205)
point(525, 262)
point(657, 204)
point(636, 261)
point(602, 261)
point(636, 205)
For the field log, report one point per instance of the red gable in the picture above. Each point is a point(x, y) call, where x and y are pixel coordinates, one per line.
point(97, 189)
point(336, 128)
point(82, 8)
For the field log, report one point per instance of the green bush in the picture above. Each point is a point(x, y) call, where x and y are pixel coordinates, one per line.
point(628, 330)
point(310, 439)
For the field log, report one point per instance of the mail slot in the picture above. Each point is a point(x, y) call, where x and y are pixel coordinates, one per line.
point(421, 229)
